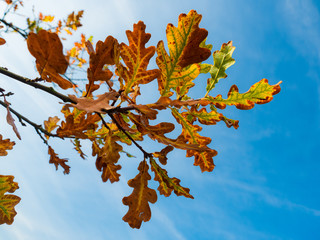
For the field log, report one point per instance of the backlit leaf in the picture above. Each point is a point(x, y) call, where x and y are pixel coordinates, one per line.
point(179, 68)
point(167, 184)
point(58, 161)
point(222, 59)
point(2, 41)
point(8, 201)
point(204, 117)
point(51, 124)
point(5, 145)
point(259, 93)
point(136, 57)
point(162, 155)
point(46, 47)
point(138, 200)
point(10, 120)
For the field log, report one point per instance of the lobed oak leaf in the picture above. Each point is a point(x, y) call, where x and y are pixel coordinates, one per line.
point(51, 124)
point(46, 47)
point(8, 201)
point(107, 157)
point(259, 93)
point(146, 111)
point(58, 161)
point(5, 145)
point(77, 147)
point(106, 53)
point(180, 67)
point(136, 57)
point(90, 105)
point(221, 61)
point(167, 184)
point(138, 200)
point(204, 117)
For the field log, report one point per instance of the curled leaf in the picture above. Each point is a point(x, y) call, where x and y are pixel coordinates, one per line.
point(58, 161)
point(51, 124)
point(10, 120)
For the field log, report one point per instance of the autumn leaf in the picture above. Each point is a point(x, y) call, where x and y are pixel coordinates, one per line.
point(162, 155)
point(202, 158)
point(222, 59)
point(107, 157)
point(46, 47)
point(8, 201)
point(51, 124)
point(58, 161)
point(204, 117)
point(94, 105)
point(10, 120)
point(136, 57)
point(167, 184)
point(138, 200)
point(180, 68)
point(77, 147)
point(5, 145)
point(106, 53)
point(2, 41)
point(259, 93)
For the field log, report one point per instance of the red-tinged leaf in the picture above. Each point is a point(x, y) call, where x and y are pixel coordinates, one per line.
point(51, 124)
point(58, 161)
point(106, 53)
point(180, 68)
point(162, 155)
point(167, 184)
point(2, 41)
point(138, 200)
point(90, 105)
point(10, 120)
point(46, 47)
point(8, 201)
point(230, 122)
point(259, 93)
point(107, 158)
point(5, 145)
point(136, 57)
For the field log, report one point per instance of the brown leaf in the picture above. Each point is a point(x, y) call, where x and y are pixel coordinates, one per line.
point(2, 41)
point(46, 47)
point(5, 145)
point(162, 155)
point(107, 158)
point(98, 105)
point(138, 200)
point(51, 124)
point(106, 54)
point(10, 120)
point(57, 161)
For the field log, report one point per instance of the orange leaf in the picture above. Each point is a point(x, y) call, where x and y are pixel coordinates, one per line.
point(106, 54)
point(51, 124)
point(8, 201)
point(5, 145)
point(162, 155)
point(136, 58)
point(2, 41)
point(138, 200)
point(57, 161)
point(46, 47)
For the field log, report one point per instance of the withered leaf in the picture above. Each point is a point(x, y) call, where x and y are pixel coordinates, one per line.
point(10, 120)
point(138, 200)
point(94, 105)
point(8, 201)
point(51, 124)
point(58, 161)
point(162, 155)
point(46, 47)
point(2, 41)
point(5, 145)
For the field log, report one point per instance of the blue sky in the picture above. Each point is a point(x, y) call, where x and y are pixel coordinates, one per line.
point(266, 181)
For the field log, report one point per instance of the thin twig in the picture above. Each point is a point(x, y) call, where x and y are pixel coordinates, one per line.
point(17, 29)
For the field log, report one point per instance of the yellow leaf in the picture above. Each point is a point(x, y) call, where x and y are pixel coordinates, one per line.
point(51, 124)
point(5, 145)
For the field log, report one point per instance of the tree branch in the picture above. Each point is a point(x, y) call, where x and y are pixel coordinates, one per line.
point(17, 29)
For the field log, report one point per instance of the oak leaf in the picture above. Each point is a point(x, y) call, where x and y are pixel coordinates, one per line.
point(180, 68)
point(136, 57)
point(46, 47)
point(162, 155)
point(58, 161)
point(10, 120)
point(138, 200)
point(94, 105)
point(51, 124)
point(5, 145)
point(167, 184)
point(8, 201)
point(259, 93)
